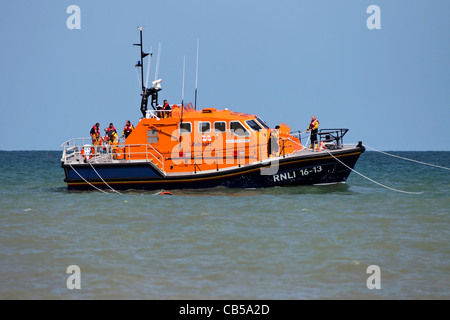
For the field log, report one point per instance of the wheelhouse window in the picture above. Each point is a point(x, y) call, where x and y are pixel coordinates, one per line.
point(262, 122)
point(238, 129)
point(185, 127)
point(204, 127)
point(254, 125)
point(220, 126)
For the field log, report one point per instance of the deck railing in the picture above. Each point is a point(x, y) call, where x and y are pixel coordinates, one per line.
point(333, 138)
point(82, 150)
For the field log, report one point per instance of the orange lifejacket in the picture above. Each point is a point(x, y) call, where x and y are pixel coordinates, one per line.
point(313, 124)
point(127, 129)
point(165, 109)
point(109, 129)
point(96, 130)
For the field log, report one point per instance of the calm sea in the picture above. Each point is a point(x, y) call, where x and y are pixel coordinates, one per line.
point(313, 242)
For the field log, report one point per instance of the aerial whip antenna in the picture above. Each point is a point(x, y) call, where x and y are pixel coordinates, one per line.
point(182, 89)
point(196, 76)
point(157, 61)
point(148, 69)
point(182, 97)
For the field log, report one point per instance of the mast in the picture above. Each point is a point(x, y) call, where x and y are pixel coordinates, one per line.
point(156, 86)
point(140, 63)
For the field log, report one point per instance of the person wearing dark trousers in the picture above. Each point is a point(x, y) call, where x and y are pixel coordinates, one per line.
point(314, 128)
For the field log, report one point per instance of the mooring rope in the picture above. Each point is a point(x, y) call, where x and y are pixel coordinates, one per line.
point(307, 141)
point(393, 155)
point(289, 139)
point(104, 180)
point(384, 186)
point(87, 181)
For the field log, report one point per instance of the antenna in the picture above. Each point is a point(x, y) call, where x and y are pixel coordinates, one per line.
point(157, 61)
point(196, 76)
point(148, 68)
point(182, 91)
point(184, 71)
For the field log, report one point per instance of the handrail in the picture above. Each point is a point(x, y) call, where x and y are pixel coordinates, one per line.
point(72, 152)
point(69, 141)
point(162, 157)
point(330, 135)
point(325, 135)
point(157, 113)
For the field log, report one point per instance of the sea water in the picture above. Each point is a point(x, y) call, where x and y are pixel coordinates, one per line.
point(307, 242)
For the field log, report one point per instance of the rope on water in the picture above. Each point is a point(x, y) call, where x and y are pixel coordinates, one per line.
point(393, 155)
point(104, 180)
point(384, 186)
point(87, 181)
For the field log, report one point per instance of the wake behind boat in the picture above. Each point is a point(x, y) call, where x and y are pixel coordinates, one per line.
point(183, 147)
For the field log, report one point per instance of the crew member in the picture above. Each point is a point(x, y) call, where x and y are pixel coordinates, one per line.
point(127, 129)
point(113, 137)
point(95, 134)
point(274, 142)
point(314, 128)
point(165, 109)
point(113, 142)
point(111, 127)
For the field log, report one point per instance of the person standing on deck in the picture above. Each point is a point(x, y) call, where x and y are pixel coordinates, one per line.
point(127, 129)
point(111, 127)
point(274, 142)
point(314, 128)
point(95, 134)
point(165, 110)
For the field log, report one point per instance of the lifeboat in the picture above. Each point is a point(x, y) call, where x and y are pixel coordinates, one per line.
point(188, 148)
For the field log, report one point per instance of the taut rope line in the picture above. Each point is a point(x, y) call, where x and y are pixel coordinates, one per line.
point(384, 186)
point(393, 155)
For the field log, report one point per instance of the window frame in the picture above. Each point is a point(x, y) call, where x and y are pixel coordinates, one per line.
point(262, 123)
point(233, 132)
point(260, 126)
point(199, 125)
point(214, 127)
point(182, 131)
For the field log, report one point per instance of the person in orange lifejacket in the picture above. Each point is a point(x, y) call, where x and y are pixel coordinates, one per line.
point(111, 127)
point(107, 138)
point(165, 110)
point(314, 128)
point(127, 129)
point(95, 134)
point(113, 137)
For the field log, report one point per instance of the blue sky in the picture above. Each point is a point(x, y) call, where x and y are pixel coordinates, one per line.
point(282, 60)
